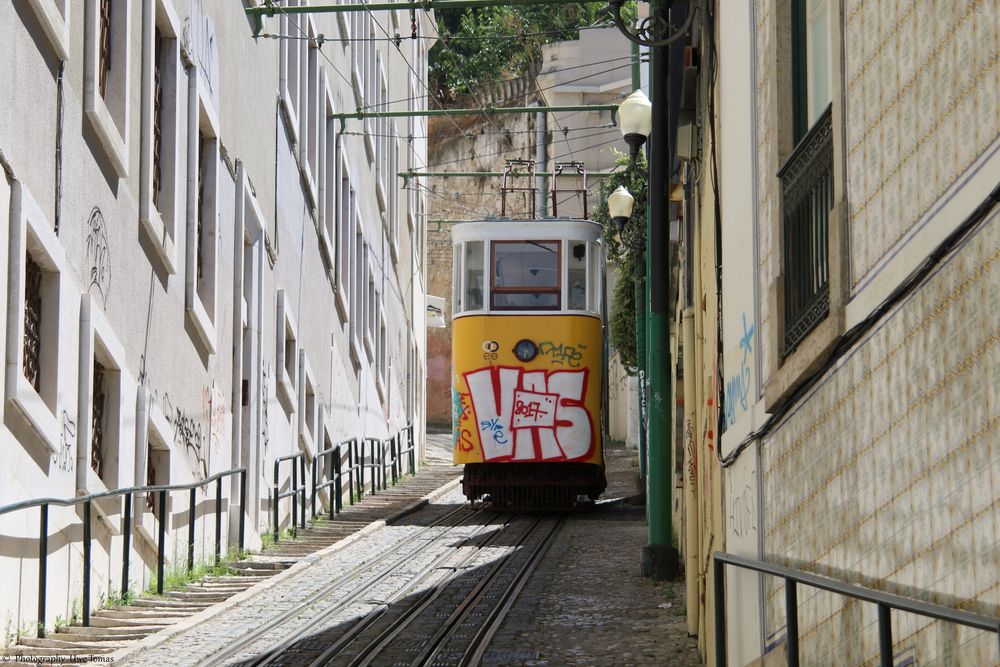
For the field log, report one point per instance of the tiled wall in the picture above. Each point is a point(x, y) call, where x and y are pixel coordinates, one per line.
point(922, 82)
point(888, 474)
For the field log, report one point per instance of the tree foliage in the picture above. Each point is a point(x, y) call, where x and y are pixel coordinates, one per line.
point(460, 68)
point(627, 251)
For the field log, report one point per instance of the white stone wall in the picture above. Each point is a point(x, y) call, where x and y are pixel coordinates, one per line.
point(179, 372)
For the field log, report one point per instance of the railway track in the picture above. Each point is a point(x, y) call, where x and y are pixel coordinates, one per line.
point(436, 599)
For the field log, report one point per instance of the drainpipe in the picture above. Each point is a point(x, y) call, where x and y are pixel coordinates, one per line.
point(691, 527)
point(660, 559)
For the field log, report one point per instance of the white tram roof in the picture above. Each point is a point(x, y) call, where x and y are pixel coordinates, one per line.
point(503, 229)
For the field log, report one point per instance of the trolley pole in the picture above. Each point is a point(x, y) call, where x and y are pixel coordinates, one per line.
point(660, 559)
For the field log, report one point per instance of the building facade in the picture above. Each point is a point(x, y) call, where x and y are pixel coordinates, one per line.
point(858, 396)
point(206, 269)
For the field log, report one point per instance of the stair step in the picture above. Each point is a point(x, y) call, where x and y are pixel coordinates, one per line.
point(47, 643)
point(106, 636)
point(108, 622)
point(112, 630)
point(168, 603)
point(67, 652)
point(146, 614)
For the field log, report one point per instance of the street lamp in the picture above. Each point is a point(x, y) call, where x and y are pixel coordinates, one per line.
point(620, 207)
point(636, 117)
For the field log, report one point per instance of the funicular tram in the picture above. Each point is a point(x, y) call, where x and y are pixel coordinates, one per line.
point(528, 357)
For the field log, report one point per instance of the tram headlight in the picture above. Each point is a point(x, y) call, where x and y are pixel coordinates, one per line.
point(525, 350)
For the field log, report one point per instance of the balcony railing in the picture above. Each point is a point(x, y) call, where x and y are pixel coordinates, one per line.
point(806, 198)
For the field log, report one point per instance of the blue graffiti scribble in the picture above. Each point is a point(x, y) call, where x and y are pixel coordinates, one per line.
point(494, 426)
point(738, 386)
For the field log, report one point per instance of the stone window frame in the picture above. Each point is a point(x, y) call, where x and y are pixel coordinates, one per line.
point(311, 107)
point(381, 350)
point(109, 116)
point(201, 294)
point(379, 101)
point(290, 57)
point(287, 347)
point(54, 17)
point(159, 220)
point(784, 375)
point(99, 344)
point(359, 285)
point(308, 411)
point(29, 232)
point(328, 183)
point(393, 215)
point(346, 227)
point(371, 298)
point(153, 432)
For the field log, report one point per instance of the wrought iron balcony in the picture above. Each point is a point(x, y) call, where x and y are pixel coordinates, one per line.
point(806, 198)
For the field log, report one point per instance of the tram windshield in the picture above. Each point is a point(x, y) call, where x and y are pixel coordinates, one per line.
point(525, 275)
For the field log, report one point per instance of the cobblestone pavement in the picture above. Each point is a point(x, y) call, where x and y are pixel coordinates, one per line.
point(587, 603)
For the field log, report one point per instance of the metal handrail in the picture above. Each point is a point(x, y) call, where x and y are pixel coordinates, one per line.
point(886, 603)
point(127, 493)
point(375, 445)
point(294, 492)
point(335, 476)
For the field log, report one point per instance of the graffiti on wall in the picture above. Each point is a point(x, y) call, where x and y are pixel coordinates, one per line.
point(525, 415)
point(741, 514)
point(200, 43)
point(98, 254)
point(64, 459)
point(738, 385)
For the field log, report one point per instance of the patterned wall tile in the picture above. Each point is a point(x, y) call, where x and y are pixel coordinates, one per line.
point(917, 485)
point(927, 74)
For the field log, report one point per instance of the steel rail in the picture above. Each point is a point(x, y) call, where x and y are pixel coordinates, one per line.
point(455, 620)
point(477, 648)
point(241, 642)
point(371, 650)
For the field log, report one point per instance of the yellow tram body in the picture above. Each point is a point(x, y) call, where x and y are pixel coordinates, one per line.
point(528, 357)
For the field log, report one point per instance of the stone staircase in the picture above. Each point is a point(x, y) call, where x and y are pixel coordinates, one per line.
point(113, 629)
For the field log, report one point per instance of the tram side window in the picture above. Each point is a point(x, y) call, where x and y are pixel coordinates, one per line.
point(525, 275)
point(596, 275)
point(473, 276)
point(577, 275)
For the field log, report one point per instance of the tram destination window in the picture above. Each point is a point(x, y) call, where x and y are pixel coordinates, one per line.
point(525, 275)
point(473, 299)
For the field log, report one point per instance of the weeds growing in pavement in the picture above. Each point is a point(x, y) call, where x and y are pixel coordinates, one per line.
point(179, 577)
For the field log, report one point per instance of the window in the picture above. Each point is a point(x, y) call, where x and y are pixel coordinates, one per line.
point(393, 193)
point(39, 332)
point(287, 354)
point(807, 177)
point(103, 409)
point(202, 224)
point(106, 78)
point(474, 274)
point(596, 278)
point(576, 276)
point(309, 148)
point(290, 64)
point(308, 406)
point(346, 230)
point(328, 182)
point(53, 15)
point(371, 306)
point(525, 275)
point(811, 62)
point(381, 131)
point(153, 453)
point(159, 183)
point(359, 281)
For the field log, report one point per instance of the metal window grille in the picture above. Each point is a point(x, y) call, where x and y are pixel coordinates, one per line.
point(104, 60)
point(32, 322)
point(97, 421)
point(199, 242)
point(157, 116)
point(807, 196)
